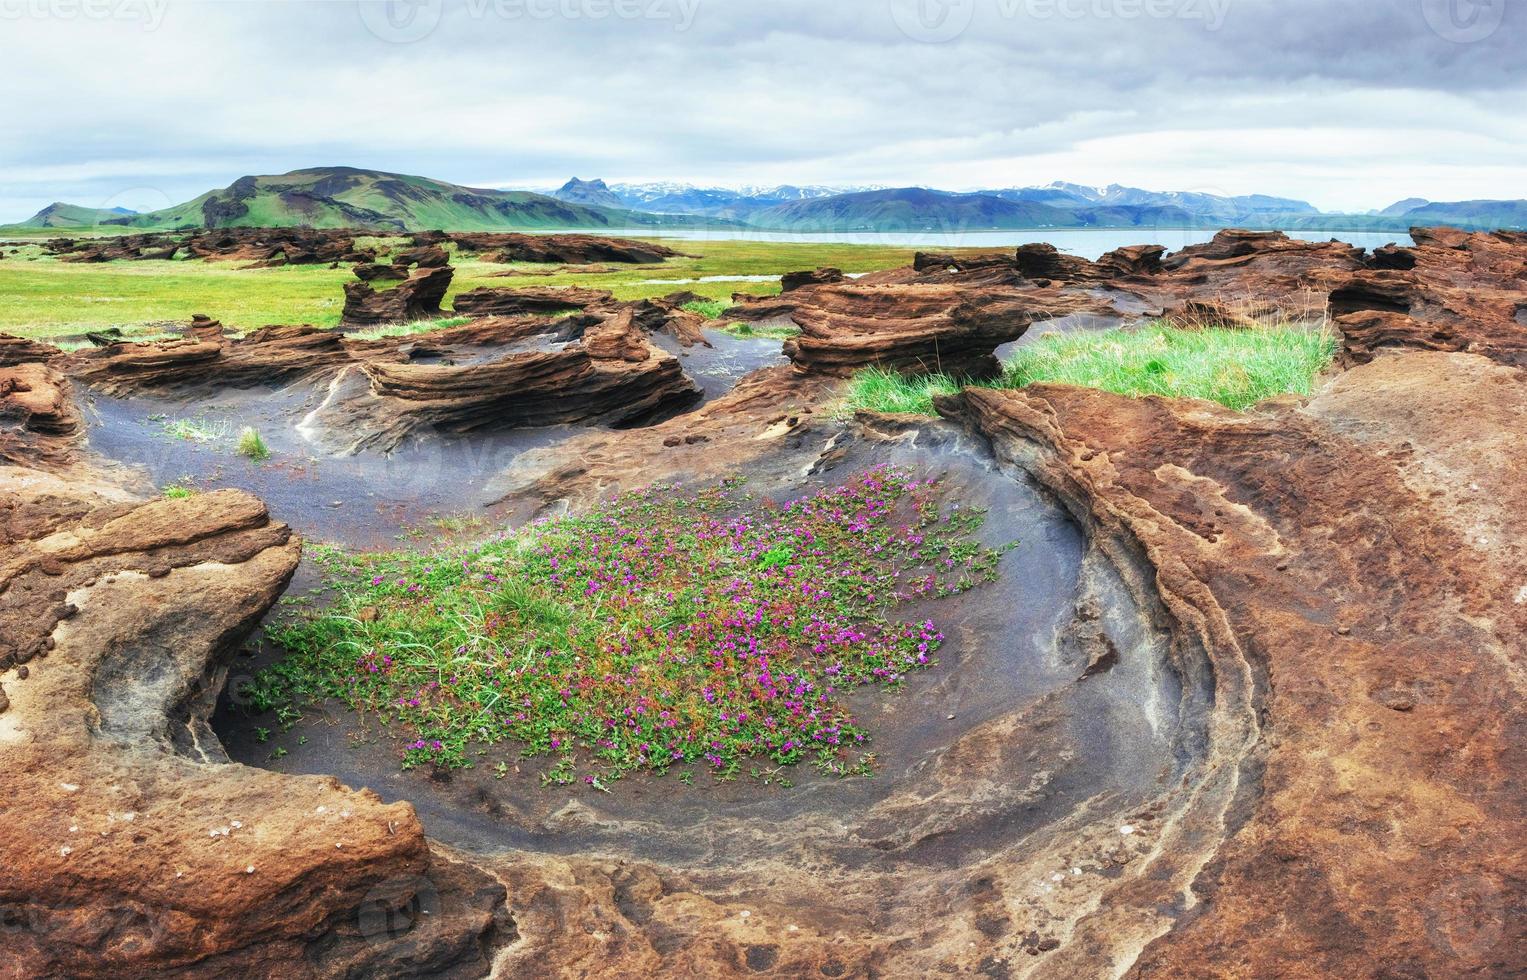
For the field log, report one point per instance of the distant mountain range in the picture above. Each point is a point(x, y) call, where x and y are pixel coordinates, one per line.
point(346, 197)
point(333, 197)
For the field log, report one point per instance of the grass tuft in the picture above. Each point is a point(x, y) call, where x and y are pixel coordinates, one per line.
point(1236, 367)
point(251, 446)
point(195, 429)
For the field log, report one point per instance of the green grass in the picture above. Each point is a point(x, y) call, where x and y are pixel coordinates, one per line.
point(251, 446)
point(41, 297)
point(664, 629)
point(711, 309)
point(195, 429)
point(407, 329)
point(765, 331)
point(1237, 368)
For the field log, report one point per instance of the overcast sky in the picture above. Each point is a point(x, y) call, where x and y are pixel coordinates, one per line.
point(1349, 104)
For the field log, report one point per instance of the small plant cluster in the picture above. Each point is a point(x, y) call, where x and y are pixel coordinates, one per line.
point(248, 444)
point(1236, 367)
point(251, 445)
point(664, 629)
point(713, 309)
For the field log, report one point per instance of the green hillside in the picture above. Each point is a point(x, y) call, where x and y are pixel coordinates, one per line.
point(61, 215)
point(345, 197)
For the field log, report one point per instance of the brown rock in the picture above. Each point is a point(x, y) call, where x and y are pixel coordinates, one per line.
point(557, 249)
point(129, 846)
point(921, 327)
point(416, 298)
point(488, 301)
point(269, 356)
point(792, 281)
point(1452, 291)
point(1380, 827)
point(39, 424)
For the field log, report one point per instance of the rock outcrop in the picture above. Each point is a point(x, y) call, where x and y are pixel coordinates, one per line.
point(948, 313)
point(936, 327)
point(1348, 570)
point(261, 247)
point(267, 357)
point(19, 350)
point(488, 301)
point(39, 424)
point(130, 846)
point(595, 369)
point(417, 297)
point(1451, 291)
point(792, 281)
point(558, 249)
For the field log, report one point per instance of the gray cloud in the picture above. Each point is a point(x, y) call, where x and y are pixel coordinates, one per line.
point(1348, 103)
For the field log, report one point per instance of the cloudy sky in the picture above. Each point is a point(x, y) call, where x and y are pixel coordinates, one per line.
point(1350, 104)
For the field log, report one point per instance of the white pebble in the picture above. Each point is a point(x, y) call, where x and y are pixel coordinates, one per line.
point(1126, 830)
point(249, 870)
point(1076, 871)
point(65, 851)
point(74, 830)
point(1057, 877)
point(69, 787)
point(745, 914)
point(236, 825)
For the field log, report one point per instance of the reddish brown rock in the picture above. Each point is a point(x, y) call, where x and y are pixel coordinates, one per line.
point(1347, 569)
point(39, 424)
point(792, 281)
point(558, 249)
point(611, 374)
point(269, 356)
point(921, 327)
point(425, 257)
point(263, 247)
point(416, 298)
point(19, 350)
point(1451, 291)
point(488, 301)
point(372, 271)
point(130, 846)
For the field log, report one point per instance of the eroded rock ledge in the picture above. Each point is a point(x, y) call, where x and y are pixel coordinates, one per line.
point(129, 846)
point(1352, 561)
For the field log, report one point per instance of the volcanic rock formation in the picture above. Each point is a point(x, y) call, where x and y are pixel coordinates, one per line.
point(130, 846)
point(1452, 291)
point(261, 247)
point(559, 249)
point(487, 301)
point(417, 297)
point(1346, 568)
